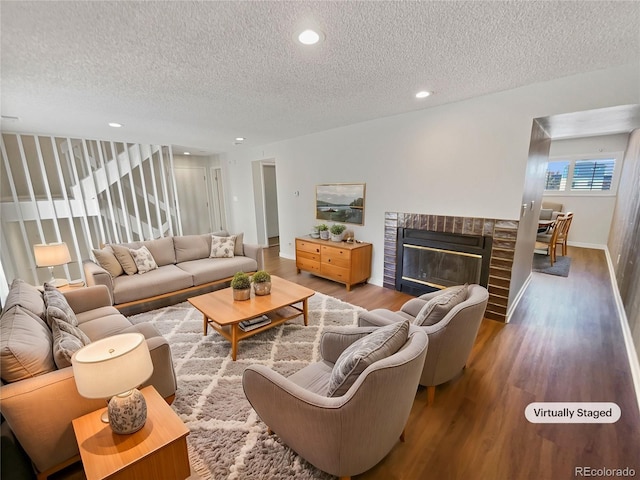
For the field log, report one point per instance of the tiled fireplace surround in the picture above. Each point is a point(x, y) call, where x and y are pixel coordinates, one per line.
point(503, 232)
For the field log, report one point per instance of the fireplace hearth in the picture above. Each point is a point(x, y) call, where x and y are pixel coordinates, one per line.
point(494, 237)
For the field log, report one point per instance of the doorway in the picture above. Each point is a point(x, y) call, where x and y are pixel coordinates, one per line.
point(266, 202)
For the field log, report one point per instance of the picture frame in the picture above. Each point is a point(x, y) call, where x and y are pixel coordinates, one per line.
point(341, 202)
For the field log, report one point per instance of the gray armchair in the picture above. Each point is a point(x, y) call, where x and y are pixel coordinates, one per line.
point(348, 434)
point(450, 339)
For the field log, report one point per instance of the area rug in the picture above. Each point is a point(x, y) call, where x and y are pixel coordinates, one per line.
point(227, 439)
point(542, 264)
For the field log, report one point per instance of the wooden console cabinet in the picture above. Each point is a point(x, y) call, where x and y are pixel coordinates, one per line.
point(348, 263)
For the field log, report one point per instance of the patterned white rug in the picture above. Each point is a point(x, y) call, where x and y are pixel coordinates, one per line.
point(227, 439)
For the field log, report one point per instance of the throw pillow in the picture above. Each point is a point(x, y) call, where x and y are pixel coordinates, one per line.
point(57, 306)
point(107, 260)
point(239, 245)
point(383, 342)
point(67, 340)
point(144, 260)
point(222, 247)
point(27, 296)
point(126, 260)
point(438, 307)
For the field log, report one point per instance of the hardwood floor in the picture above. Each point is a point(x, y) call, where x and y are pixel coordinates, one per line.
point(564, 344)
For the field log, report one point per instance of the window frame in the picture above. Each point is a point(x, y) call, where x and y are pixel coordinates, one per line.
point(572, 159)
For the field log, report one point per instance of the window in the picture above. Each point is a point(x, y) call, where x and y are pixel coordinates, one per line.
point(582, 175)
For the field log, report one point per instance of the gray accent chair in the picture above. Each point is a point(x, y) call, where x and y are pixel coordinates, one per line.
point(450, 340)
point(344, 435)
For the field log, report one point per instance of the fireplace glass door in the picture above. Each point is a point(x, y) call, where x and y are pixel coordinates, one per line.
point(440, 268)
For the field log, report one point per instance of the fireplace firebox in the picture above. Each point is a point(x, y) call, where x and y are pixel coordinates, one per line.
point(428, 261)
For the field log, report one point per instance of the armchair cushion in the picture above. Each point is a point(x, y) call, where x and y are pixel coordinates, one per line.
point(380, 344)
point(437, 308)
point(27, 296)
point(126, 260)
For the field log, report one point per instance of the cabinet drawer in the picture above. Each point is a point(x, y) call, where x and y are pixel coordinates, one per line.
point(336, 256)
point(308, 255)
point(332, 271)
point(304, 246)
point(307, 264)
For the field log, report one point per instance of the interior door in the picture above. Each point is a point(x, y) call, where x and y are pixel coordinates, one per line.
point(193, 197)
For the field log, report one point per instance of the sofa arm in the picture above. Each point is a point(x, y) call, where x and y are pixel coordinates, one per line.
point(39, 411)
point(90, 298)
point(96, 275)
point(256, 252)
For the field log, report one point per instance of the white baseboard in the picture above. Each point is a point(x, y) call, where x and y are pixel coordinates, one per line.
point(288, 257)
point(634, 364)
point(519, 296)
point(596, 246)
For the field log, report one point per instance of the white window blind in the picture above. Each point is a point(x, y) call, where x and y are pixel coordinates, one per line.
point(589, 175)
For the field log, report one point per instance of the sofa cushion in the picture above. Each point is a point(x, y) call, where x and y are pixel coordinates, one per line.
point(67, 340)
point(191, 247)
point(107, 260)
point(222, 247)
point(143, 258)
point(27, 296)
point(57, 306)
point(102, 322)
point(381, 343)
point(208, 270)
point(438, 307)
point(545, 213)
point(168, 278)
point(25, 345)
point(239, 244)
point(163, 250)
point(123, 254)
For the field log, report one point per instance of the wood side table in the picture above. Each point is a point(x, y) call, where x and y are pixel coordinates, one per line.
point(157, 450)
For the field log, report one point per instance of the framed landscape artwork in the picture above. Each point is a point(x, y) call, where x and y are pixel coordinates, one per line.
point(340, 202)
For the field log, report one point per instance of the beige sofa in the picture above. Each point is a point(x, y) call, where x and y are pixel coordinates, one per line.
point(184, 269)
point(38, 399)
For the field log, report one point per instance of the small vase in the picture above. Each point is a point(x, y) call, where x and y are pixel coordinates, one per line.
point(324, 234)
point(337, 238)
point(244, 294)
point(262, 288)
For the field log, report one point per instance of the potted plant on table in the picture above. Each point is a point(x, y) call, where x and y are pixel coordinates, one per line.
point(261, 283)
point(324, 231)
point(241, 286)
point(337, 232)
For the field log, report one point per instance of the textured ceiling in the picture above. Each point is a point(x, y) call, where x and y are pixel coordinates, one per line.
point(199, 74)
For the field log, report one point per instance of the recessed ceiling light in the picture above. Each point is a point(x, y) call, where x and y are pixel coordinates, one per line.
point(239, 139)
point(187, 153)
point(115, 124)
point(423, 94)
point(309, 37)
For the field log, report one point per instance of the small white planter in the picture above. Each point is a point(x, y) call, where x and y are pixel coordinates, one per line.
point(324, 234)
point(337, 238)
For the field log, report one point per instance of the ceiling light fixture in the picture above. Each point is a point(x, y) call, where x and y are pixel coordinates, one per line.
point(239, 139)
point(423, 94)
point(309, 37)
point(115, 124)
point(186, 153)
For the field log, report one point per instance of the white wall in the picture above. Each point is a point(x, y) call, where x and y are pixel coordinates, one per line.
point(468, 158)
point(592, 214)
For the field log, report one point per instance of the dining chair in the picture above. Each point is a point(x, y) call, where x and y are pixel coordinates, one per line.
point(558, 236)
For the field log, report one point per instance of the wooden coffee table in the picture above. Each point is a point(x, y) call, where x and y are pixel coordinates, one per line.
point(225, 314)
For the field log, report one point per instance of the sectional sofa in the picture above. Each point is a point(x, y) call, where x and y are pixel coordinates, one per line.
point(183, 266)
point(38, 397)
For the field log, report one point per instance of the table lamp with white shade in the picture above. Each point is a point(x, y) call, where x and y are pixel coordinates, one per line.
point(114, 367)
point(51, 255)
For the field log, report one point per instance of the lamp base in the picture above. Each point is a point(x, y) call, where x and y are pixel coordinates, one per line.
point(127, 412)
